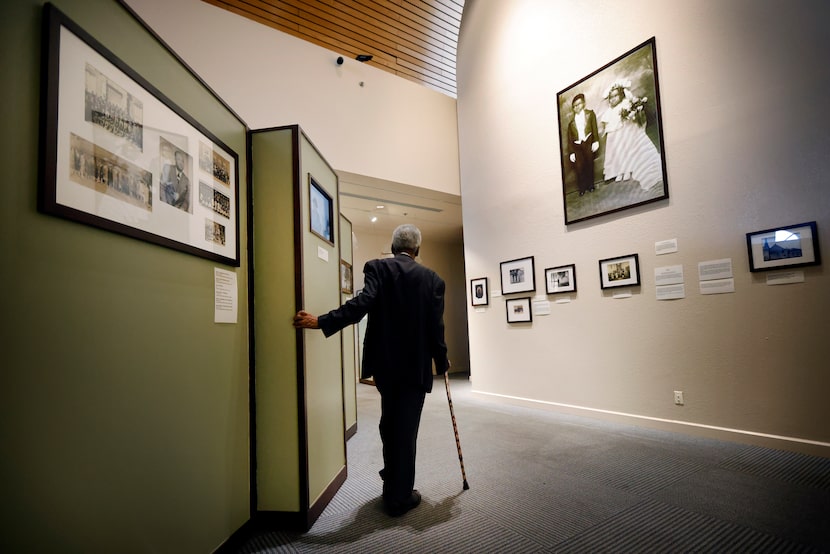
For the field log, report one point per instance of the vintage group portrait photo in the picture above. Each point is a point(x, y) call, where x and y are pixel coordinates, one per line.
point(611, 137)
point(119, 155)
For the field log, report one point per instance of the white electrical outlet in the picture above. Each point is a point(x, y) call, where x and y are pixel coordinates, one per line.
point(678, 397)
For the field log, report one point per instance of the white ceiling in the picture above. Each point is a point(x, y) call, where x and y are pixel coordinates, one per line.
point(436, 214)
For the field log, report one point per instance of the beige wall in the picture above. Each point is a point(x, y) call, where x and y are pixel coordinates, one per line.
point(271, 78)
point(746, 150)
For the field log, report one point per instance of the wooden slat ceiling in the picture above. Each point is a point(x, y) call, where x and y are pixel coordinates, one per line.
point(414, 39)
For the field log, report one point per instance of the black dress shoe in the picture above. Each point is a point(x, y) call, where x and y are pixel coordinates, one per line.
point(396, 509)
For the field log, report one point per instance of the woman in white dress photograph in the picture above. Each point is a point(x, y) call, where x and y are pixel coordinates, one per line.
point(629, 152)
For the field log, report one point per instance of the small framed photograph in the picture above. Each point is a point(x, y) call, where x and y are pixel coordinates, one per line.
point(346, 282)
point(479, 292)
point(623, 271)
point(321, 211)
point(518, 276)
point(518, 310)
point(780, 247)
point(560, 279)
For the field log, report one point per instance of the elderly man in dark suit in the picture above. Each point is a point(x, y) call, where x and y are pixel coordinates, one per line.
point(404, 335)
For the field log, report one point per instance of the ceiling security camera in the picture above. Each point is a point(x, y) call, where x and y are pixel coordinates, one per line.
point(339, 60)
point(363, 57)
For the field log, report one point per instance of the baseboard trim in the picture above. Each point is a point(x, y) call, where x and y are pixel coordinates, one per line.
point(796, 444)
point(351, 431)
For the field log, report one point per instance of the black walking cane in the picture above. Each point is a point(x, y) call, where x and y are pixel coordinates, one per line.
point(455, 430)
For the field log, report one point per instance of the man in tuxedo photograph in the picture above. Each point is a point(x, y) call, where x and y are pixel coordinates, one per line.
point(583, 143)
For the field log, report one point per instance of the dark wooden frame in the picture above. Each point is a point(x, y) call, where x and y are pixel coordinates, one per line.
point(518, 262)
point(781, 258)
point(346, 277)
point(633, 278)
point(571, 268)
point(524, 302)
point(102, 168)
point(485, 300)
point(313, 185)
point(639, 67)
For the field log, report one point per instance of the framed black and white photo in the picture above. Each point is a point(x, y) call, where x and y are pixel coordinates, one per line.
point(346, 280)
point(518, 276)
point(479, 292)
point(611, 137)
point(623, 271)
point(118, 154)
point(321, 211)
point(783, 247)
point(560, 279)
point(518, 310)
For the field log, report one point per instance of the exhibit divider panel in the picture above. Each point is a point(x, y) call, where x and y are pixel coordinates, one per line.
point(349, 334)
point(300, 443)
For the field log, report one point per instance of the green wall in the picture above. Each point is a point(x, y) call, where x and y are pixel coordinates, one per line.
point(124, 407)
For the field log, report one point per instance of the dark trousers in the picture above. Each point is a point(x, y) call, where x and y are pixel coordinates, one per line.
point(584, 166)
point(399, 421)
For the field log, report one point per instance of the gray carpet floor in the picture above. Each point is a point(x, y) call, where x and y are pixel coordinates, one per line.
point(547, 482)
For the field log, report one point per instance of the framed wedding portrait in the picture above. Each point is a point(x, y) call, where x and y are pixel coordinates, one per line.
point(623, 271)
point(783, 247)
point(518, 310)
point(518, 276)
point(560, 279)
point(611, 137)
point(119, 155)
point(479, 292)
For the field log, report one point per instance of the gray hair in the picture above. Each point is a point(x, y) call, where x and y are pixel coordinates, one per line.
point(406, 237)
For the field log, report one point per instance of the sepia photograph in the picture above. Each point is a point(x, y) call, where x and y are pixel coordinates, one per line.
point(518, 310)
point(118, 155)
point(611, 138)
point(623, 271)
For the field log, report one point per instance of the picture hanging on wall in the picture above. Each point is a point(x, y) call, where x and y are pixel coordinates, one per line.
point(518, 310)
point(623, 271)
point(346, 281)
point(783, 247)
point(611, 137)
point(321, 211)
point(479, 292)
point(560, 279)
point(518, 276)
point(117, 154)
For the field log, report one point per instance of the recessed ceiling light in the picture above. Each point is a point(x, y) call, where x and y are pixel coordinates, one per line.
point(374, 218)
point(379, 207)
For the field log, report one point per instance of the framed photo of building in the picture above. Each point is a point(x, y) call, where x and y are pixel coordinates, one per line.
point(321, 211)
point(518, 310)
point(783, 247)
point(518, 276)
point(623, 271)
point(560, 279)
point(117, 154)
point(479, 292)
point(611, 137)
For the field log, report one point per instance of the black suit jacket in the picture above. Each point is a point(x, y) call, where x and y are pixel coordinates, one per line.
point(405, 332)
